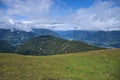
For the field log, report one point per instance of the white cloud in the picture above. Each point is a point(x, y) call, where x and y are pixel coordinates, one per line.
point(11, 21)
point(27, 8)
point(102, 15)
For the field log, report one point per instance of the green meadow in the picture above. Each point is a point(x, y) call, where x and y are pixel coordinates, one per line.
point(91, 65)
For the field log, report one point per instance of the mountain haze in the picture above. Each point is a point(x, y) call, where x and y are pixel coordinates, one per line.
point(108, 39)
point(16, 37)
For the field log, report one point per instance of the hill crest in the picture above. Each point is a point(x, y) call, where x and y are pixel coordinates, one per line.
point(47, 45)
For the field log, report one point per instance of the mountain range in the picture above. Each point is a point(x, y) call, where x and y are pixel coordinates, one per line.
point(6, 47)
point(107, 39)
point(47, 45)
point(15, 37)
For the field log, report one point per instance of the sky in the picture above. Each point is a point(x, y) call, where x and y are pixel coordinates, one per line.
point(60, 14)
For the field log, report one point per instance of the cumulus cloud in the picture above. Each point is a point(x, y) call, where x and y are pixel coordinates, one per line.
point(102, 15)
point(27, 8)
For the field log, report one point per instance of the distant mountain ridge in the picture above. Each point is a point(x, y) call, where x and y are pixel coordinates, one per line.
point(16, 37)
point(48, 45)
point(6, 47)
point(110, 39)
point(42, 31)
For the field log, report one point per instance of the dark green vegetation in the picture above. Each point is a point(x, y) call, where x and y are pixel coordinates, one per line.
point(92, 65)
point(6, 47)
point(47, 45)
point(43, 45)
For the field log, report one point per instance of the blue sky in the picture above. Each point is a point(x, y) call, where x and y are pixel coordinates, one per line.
point(57, 7)
point(76, 4)
point(83, 14)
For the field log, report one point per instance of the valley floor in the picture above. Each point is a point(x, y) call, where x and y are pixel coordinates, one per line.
point(92, 65)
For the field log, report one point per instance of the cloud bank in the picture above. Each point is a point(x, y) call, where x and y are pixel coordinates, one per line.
point(100, 16)
point(56, 15)
point(26, 8)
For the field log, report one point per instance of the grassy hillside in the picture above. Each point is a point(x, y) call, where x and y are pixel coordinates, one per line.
point(47, 45)
point(92, 65)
